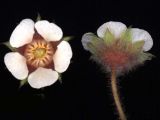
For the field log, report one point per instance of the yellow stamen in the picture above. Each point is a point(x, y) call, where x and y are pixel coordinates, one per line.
point(39, 53)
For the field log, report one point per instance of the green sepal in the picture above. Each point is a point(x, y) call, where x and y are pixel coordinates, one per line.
point(127, 35)
point(38, 17)
point(145, 56)
point(7, 44)
point(23, 82)
point(108, 37)
point(138, 46)
point(60, 78)
point(94, 44)
point(67, 38)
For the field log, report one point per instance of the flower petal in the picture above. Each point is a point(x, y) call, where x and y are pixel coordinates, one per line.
point(42, 77)
point(22, 34)
point(16, 64)
point(89, 38)
point(49, 31)
point(62, 57)
point(116, 28)
point(139, 34)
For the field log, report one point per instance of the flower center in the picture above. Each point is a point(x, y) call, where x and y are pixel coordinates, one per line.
point(39, 53)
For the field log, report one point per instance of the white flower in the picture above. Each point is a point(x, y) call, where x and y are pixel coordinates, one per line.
point(117, 28)
point(41, 54)
point(118, 47)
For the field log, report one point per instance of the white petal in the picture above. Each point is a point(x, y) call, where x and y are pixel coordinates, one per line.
point(16, 64)
point(116, 28)
point(62, 57)
point(139, 34)
point(42, 77)
point(23, 33)
point(87, 38)
point(49, 31)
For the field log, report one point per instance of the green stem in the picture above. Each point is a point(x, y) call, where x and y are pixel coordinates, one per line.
point(116, 96)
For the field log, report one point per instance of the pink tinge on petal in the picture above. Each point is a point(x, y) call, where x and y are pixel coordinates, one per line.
point(62, 57)
point(22, 34)
point(42, 77)
point(49, 31)
point(16, 64)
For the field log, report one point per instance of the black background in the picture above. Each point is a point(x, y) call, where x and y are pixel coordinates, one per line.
point(85, 91)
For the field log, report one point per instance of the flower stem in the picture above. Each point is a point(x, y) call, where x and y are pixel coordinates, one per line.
point(116, 96)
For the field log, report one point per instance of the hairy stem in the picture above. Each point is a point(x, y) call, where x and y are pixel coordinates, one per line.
point(116, 96)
